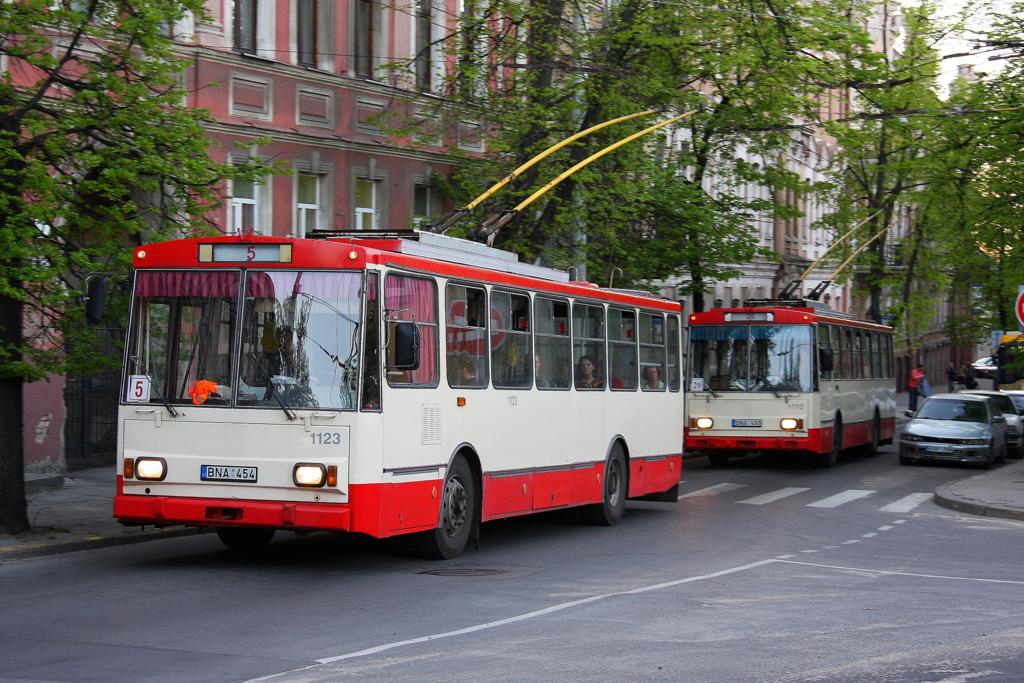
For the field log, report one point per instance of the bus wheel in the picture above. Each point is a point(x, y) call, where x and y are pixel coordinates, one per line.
point(245, 539)
point(829, 459)
point(718, 459)
point(458, 503)
point(876, 435)
point(612, 507)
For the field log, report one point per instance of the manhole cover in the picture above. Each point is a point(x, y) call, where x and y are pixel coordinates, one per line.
point(465, 571)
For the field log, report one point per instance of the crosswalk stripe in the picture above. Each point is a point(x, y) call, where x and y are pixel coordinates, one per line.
point(907, 503)
point(712, 490)
point(774, 496)
point(840, 498)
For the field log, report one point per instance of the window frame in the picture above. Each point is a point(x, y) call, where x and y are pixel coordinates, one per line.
point(664, 349)
point(364, 38)
point(610, 344)
point(529, 334)
point(360, 211)
point(307, 10)
point(603, 368)
point(385, 319)
point(567, 336)
point(301, 230)
point(239, 17)
point(486, 357)
point(674, 353)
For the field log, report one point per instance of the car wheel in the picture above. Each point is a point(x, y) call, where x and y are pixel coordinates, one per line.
point(614, 492)
point(829, 459)
point(458, 512)
point(1002, 453)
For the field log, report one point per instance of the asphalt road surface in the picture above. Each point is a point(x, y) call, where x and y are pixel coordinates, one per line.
point(767, 570)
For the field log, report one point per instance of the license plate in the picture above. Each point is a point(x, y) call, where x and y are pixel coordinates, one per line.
point(747, 422)
point(227, 473)
point(939, 449)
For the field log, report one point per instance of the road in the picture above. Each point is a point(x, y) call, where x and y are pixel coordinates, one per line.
point(767, 570)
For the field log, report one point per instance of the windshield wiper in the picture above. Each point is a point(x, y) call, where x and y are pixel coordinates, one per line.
point(712, 391)
point(160, 394)
point(280, 401)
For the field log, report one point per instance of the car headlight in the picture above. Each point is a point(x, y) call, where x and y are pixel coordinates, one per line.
point(791, 423)
point(309, 474)
point(701, 423)
point(912, 437)
point(150, 469)
point(975, 442)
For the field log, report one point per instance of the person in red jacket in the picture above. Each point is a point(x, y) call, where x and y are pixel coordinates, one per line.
point(914, 385)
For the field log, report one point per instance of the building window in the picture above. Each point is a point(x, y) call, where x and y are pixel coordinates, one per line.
point(365, 37)
point(423, 45)
point(245, 26)
point(307, 204)
point(242, 217)
point(366, 204)
point(423, 205)
point(306, 30)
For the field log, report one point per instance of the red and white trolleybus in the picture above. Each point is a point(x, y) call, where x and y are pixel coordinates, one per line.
point(787, 376)
point(387, 386)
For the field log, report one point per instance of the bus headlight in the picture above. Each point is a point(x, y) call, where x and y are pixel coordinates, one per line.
point(309, 474)
point(791, 423)
point(150, 469)
point(701, 422)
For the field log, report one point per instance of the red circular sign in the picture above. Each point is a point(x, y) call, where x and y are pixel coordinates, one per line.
point(1020, 308)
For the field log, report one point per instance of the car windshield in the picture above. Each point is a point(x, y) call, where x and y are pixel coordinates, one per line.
point(751, 357)
point(953, 409)
point(297, 343)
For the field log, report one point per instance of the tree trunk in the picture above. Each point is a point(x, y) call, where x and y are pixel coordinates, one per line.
point(13, 513)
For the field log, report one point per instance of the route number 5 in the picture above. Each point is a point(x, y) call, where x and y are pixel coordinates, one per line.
point(138, 389)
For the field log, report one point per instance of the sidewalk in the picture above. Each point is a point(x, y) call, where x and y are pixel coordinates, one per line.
point(79, 515)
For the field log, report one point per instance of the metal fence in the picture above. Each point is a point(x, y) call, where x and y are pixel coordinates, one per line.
point(90, 431)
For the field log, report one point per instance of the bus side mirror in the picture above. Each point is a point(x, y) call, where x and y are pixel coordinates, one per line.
point(825, 359)
point(404, 353)
point(95, 300)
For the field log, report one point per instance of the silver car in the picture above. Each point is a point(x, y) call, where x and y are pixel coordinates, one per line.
point(961, 427)
point(1014, 419)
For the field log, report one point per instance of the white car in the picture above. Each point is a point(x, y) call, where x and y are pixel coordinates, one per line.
point(984, 367)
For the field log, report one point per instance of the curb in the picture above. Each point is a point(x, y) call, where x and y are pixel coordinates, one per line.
point(945, 498)
point(44, 549)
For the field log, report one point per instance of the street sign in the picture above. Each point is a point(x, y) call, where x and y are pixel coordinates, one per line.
point(1020, 306)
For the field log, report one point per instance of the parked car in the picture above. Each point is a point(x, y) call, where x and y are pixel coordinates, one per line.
point(1014, 419)
point(985, 367)
point(961, 427)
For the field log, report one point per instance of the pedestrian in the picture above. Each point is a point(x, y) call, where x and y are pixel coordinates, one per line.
point(951, 376)
point(969, 379)
point(913, 385)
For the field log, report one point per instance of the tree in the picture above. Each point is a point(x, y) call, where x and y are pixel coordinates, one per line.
point(96, 155)
point(746, 71)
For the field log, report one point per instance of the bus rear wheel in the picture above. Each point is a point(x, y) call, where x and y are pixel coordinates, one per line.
point(458, 510)
point(245, 539)
point(612, 507)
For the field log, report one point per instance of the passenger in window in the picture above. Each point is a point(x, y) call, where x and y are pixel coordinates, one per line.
point(467, 369)
point(538, 368)
point(652, 379)
point(585, 378)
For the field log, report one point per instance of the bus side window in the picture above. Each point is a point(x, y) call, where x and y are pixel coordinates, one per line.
point(826, 358)
point(652, 352)
point(413, 299)
point(511, 358)
point(848, 358)
point(371, 348)
point(672, 342)
point(588, 345)
point(553, 360)
point(622, 349)
point(466, 335)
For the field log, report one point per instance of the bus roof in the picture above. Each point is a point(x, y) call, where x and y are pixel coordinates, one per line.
point(431, 254)
point(798, 313)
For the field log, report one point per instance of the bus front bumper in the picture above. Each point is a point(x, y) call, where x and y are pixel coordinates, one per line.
point(814, 440)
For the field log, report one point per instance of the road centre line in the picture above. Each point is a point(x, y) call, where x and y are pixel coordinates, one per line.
point(521, 617)
point(895, 573)
point(712, 490)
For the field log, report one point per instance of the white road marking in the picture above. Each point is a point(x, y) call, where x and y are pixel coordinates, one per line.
point(712, 490)
point(532, 615)
point(840, 498)
point(899, 521)
point(963, 678)
point(894, 573)
point(808, 551)
point(907, 503)
point(870, 534)
point(784, 557)
point(851, 541)
point(887, 527)
point(774, 496)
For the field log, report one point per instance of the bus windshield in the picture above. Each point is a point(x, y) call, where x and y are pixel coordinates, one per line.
point(751, 358)
point(297, 345)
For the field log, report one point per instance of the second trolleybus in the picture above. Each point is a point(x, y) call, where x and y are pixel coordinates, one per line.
point(387, 386)
point(787, 375)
